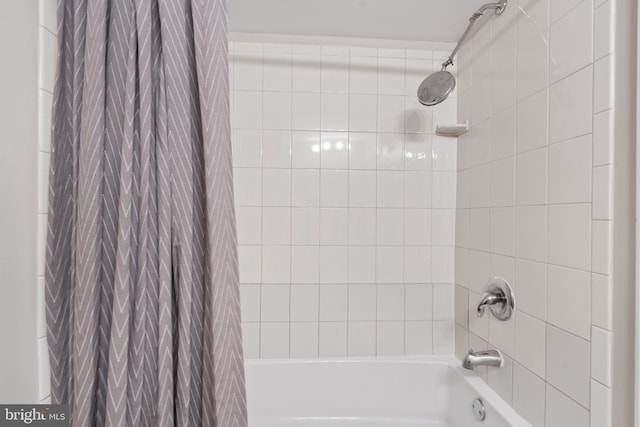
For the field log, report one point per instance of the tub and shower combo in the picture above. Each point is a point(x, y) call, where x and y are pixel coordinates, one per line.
point(389, 392)
point(384, 392)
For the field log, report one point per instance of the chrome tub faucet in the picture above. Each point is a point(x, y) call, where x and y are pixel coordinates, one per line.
point(483, 358)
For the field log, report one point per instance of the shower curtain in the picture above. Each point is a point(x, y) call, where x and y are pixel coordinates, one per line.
point(142, 291)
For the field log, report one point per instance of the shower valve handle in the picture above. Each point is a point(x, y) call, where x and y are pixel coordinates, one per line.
point(498, 298)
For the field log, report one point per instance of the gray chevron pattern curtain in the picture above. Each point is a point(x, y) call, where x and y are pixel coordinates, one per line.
point(142, 280)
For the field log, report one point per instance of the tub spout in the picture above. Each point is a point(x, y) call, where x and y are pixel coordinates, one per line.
point(483, 358)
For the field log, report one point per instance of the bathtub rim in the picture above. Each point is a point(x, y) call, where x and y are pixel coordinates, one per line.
point(488, 395)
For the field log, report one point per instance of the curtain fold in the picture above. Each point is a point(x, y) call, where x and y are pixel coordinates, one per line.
point(142, 289)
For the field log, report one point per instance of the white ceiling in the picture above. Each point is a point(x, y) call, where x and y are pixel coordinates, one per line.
point(416, 20)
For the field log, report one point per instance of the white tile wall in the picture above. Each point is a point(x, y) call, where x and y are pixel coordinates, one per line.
point(528, 395)
point(561, 411)
point(534, 205)
point(345, 202)
point(46, 73)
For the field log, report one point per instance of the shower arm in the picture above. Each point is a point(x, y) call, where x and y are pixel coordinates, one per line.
point(498, 7)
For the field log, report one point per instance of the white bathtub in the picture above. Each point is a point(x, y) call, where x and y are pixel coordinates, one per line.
point(383, 392)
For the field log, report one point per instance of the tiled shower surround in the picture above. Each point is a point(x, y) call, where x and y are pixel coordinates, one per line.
point(535, 205)
point(345, 202)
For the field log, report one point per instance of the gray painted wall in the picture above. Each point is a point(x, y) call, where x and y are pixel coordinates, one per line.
point(18, 200)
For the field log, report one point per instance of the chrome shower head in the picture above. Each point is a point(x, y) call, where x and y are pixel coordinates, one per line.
point(439, 85)
point(436, 88)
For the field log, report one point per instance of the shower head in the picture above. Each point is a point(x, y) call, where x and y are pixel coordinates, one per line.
point(439, 85)
point(436, 88)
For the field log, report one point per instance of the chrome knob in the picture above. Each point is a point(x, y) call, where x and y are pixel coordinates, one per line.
point(499, 298)
point(490, 299)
